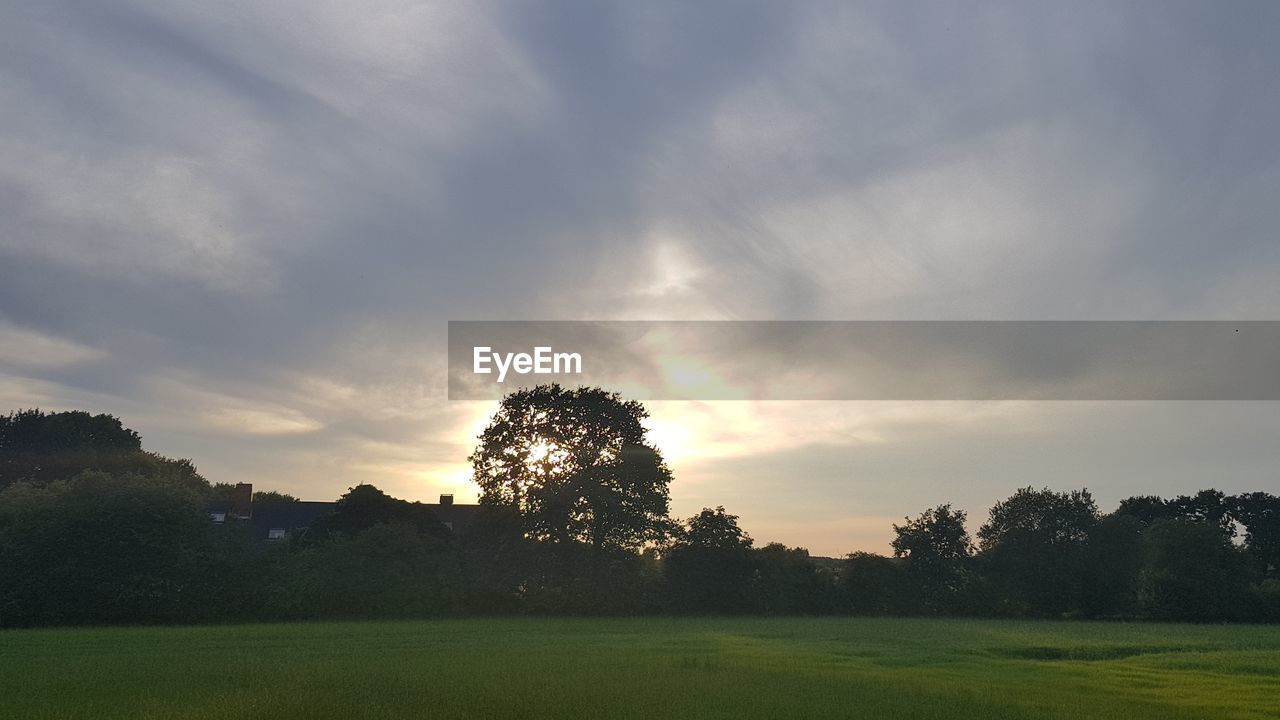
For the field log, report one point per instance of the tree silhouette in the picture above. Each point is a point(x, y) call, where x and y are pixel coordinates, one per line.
point(1034, 549)
point(575, 465)
point(872, 584)
point(1259, 513)
point(710, 566)
point(937, 549)
point(365, 506)
point(40, 447)
point(1191, 571)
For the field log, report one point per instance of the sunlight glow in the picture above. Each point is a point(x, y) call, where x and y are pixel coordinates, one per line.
point(539, 451)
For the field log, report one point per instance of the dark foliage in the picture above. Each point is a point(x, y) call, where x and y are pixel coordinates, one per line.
point(102, 549)
point(788, 582)
point(94, 529)
point(709, 568)
point(365, 507)
point(938, 554)
point(1112, 559)
point(1191, 571)
point(575, 465)
point(1034, 550)
point(873, 584)
point(1259, 513)
point(40, 448)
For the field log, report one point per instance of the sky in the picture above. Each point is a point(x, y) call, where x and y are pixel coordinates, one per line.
point(242, 226)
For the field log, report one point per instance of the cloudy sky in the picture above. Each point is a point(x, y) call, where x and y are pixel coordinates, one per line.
point(242, 226)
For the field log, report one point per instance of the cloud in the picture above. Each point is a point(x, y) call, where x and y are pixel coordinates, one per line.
point(22, 347)
point(243, 226)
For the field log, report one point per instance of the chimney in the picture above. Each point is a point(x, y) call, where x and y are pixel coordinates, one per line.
point(242, 500)
point(446, 500)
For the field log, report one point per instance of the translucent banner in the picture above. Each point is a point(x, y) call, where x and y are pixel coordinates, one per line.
point(872, 360)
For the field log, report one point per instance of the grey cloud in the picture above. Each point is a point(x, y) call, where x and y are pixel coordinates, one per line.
point(249, 198)
point(877, 360)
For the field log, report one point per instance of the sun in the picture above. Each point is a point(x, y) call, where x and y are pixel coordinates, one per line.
point(539, 451)
point(545, 457)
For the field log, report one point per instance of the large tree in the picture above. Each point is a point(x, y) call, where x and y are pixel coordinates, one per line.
point(1259, 513)
point(1112, 559)
point(576, 467)
point(1207, 506)
point(1191, 571)
point(710, 568)
point(937, 550)
point(40, 447)
point(1034, 549)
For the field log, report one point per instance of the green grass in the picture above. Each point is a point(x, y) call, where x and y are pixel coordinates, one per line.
point(645, 668)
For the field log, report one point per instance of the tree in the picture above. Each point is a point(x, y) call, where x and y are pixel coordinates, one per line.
point(715, 530)
point(1207, 506)
point(273, 496)
point(35, 431)
point(39, 447)
point(1259, 513)
point(103, 549)
point(876, 585)
point(576, 467)
point(365, 506)
point(1113, 557)
point(1210, 506)
point(709, 568)
point(1190, 572)
point(937, 550)
point(1033, 549)
point(787, 581)
point(389, 569)
point(496, 558)
point(1146, 509)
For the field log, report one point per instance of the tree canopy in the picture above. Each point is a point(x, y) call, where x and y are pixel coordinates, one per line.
point(709, 566)
point(1035, 548)
point(576, 466)
point(365, 506)
point(937, 549)
point(94, 529)
point(41, 447)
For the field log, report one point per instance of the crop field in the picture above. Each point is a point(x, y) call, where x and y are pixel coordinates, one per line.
point(645, 668)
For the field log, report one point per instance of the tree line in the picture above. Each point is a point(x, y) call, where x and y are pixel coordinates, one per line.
point(574, 519)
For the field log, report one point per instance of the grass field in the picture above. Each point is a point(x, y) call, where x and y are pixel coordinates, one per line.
point(645, 668)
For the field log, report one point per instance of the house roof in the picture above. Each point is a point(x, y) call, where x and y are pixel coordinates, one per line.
point(286, 515)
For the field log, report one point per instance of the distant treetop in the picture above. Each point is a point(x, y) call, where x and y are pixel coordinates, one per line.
point(40, 447)
point(34, 431)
